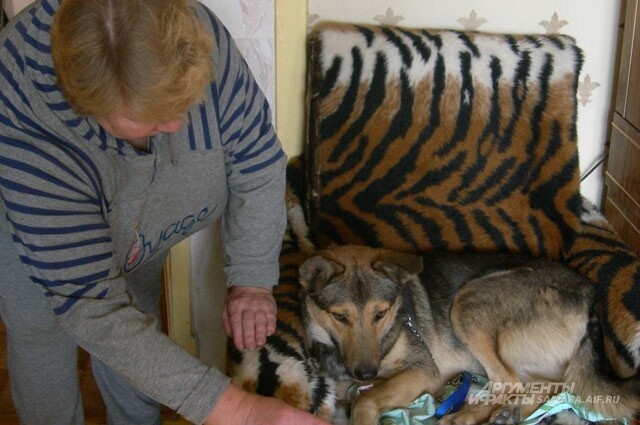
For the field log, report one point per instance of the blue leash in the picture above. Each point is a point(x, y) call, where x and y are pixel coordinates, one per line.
point(455, 401)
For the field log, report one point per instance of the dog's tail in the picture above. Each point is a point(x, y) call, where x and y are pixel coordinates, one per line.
point(598, 390)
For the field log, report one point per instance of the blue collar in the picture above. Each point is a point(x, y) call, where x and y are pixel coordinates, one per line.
point(456, 400)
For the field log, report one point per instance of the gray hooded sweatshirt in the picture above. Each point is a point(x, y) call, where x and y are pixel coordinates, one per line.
point(85, 209)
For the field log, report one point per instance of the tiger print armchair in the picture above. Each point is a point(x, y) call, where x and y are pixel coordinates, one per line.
point(437, 139)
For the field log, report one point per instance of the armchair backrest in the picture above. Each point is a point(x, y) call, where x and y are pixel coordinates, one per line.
point(425, 139)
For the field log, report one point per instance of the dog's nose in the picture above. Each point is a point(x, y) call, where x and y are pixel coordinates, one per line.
point(365, 372)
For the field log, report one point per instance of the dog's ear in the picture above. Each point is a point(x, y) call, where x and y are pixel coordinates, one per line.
point(395, 263)
point(318, 268)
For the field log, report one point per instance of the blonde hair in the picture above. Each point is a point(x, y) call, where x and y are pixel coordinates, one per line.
point(150, 57)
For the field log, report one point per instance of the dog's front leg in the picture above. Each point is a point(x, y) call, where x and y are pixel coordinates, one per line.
point(397, 391)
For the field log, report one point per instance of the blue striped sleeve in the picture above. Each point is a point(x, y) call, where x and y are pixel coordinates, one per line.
point(255, 217)
point(50, 190)
point(56, 217)
point(244, 115)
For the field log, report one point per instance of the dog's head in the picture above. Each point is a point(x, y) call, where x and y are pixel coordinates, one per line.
point(352, 296)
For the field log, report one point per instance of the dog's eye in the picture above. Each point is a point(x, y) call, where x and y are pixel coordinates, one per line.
point(340, 317)
point(379, 315)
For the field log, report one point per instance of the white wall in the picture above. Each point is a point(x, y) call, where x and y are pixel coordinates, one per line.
point(594, 25)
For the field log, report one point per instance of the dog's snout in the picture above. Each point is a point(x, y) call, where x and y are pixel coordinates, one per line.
point(365, 372)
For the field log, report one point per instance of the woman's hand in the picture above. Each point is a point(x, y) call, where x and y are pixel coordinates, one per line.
point(249, 316)
point(238, 407)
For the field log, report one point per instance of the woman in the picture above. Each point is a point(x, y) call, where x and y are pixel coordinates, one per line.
point(126, 126)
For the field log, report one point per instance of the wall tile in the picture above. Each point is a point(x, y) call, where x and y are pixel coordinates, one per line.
point(245, 18)
point(252, 24)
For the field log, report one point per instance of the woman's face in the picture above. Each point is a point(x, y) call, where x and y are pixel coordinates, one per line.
point(135, 132)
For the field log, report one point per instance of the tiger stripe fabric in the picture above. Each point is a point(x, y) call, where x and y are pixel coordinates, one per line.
point(441, 139)
point(423, 139)
point(615, 269)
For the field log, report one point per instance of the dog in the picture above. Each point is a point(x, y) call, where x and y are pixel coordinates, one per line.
point(408, 324)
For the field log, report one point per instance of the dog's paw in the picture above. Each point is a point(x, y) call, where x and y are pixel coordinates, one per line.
point(506, 415)
point(460, 418)
point(447, 420)
point(364, 412)
point(468, 415)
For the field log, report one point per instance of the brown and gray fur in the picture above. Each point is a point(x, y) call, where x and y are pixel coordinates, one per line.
point(512, 318)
